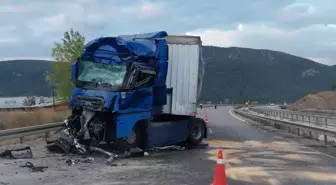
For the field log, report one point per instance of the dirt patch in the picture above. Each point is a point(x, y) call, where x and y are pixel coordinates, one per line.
point(321, 101)
point(20, 118)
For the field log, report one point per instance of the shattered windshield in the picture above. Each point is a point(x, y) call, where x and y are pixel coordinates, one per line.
point(101, 74)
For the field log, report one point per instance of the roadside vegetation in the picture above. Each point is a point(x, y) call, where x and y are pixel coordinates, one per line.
point(65, 52)
point(20, 118)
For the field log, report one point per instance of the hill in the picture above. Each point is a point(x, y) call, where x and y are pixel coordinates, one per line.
point(321, 101)
point(231, 74)
point(261, 75)
point(24, 78)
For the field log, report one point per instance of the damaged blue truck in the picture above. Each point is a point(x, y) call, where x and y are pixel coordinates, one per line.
point(139, 90)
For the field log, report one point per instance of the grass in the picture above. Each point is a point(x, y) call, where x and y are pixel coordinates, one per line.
point(20, 118)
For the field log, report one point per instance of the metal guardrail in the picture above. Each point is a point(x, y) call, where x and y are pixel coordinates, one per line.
point(26, 108)
point(30, 108)
point(296, 116)
point(326, 131)
point(27, 131)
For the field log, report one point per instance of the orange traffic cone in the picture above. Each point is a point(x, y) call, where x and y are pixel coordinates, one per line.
point(220, 176)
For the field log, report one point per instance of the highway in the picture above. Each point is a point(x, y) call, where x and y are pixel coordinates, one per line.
point(254, 154)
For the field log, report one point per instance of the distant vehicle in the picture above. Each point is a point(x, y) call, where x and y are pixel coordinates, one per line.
point(283, 106)
point(254, 103)
point(272, 104)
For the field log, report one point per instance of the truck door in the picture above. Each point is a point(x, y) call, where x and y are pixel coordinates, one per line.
point(139, 97)
point(137, 102)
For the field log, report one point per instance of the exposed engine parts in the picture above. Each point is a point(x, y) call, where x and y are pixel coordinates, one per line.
point(85, 131)
point(86, 126)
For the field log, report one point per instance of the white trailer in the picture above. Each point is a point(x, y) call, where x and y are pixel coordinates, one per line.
point(185, 74)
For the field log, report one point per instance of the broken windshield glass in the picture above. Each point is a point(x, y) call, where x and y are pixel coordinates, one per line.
point(111, 76)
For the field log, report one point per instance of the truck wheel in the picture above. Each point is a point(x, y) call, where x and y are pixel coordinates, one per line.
point(196, 131)
point(137, 138)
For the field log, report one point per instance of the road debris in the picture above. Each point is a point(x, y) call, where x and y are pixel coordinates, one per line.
point(171, 147)
point(21, 153)
point(109, 154)
point(135, 152)
point(34, 168)
point(66, 143)
point(71, 162)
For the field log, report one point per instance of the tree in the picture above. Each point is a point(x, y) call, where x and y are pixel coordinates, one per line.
point(65, 53)
point(333, 86)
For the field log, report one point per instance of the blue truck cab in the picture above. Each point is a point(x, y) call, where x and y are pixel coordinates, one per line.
point(127, 91)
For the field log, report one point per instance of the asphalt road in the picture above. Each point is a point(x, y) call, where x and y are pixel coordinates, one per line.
point(254, 154)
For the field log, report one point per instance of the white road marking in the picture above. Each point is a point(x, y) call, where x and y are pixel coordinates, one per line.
point(210, 131)
point(319, 152)
point(274, 182)
point(240, 119)
point(327, 155)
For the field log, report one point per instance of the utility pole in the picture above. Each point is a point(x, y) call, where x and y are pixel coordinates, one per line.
point(53, 94)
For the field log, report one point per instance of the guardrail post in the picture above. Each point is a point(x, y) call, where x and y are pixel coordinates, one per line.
point(21, 139)
point(302, 118)
point(308, 119)
point(46, 135)
point(325, 136)
point(298, 131)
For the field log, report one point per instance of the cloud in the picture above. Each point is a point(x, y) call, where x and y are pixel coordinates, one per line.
point(144, 10)
point(311, 42)
point(301, 27)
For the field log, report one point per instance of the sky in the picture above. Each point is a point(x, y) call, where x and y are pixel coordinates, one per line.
point(307, 28)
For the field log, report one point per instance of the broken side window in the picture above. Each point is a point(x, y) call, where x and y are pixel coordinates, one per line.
point(145, 78)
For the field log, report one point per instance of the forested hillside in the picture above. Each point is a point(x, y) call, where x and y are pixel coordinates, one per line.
point(231, 74)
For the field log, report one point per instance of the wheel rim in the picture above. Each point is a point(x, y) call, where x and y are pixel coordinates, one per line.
point(131, 139)
point(196, 131)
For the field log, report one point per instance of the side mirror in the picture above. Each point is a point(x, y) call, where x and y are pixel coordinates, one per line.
point(74, 71)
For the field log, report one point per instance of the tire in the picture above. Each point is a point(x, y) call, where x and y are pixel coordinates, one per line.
point(196, 131)
point(138, 137)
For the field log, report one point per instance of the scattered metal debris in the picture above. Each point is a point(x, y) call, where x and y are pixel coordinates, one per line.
point(67, 143)
point(34, 168)
point(21, 153)
point(88, 160)
point(63, 144)
point(134, 152)
point(111, 155)
point(172, 147)
point(71, 162)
